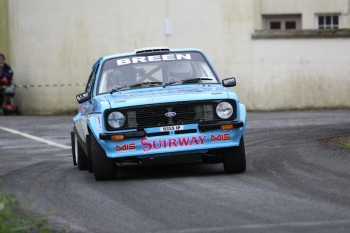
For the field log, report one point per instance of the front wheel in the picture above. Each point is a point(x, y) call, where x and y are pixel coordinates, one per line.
point(104, 168)
point(234, 158)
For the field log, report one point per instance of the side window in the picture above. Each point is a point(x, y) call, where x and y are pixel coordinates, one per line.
point(90, 85)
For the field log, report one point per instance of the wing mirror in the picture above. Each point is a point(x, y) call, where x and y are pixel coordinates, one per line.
point(83, 97)
point(229, 82)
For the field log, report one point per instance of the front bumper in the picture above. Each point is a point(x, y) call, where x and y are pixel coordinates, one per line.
point(194, 138)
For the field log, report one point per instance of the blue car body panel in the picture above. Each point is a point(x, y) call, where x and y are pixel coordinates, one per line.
point(91, 120)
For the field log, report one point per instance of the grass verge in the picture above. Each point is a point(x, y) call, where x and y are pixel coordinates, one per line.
point(15, 219)
point(346, 144)
point(338, 143)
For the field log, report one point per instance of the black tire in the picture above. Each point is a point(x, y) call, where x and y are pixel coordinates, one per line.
point(89, 155)
point(234, 158)
point(104, 167)
point(72, 141)
point(82, 158)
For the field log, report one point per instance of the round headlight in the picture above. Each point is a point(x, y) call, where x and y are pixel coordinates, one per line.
point(116, 119)
point(224, 110)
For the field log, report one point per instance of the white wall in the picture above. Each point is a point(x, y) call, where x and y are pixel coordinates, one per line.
point(58, 41)
point(308, 9)
point(297, 73)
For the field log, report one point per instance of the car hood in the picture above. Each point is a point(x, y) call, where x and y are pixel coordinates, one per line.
point(154, 95)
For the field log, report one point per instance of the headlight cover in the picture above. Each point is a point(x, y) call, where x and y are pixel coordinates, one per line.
point(116, 119)
point(224, 110)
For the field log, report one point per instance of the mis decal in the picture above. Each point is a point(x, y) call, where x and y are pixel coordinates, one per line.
point(220, 137)
point(126, 147)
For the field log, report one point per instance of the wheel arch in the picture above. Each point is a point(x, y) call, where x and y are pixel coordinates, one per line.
point(243, 115)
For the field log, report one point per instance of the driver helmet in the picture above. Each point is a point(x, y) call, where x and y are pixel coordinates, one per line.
point(116, 78)
point(180, 70)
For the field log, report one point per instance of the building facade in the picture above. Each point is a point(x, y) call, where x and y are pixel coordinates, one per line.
point(285, 54)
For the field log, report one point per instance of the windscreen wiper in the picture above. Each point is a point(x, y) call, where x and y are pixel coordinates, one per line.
point(190, 80)
point(169, 83)
point(119, 89)
point(194, 80)
point(146, 84)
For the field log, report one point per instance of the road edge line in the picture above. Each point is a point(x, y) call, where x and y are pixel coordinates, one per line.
point(34, 138)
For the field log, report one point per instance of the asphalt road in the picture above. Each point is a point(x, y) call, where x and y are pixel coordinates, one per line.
point(293, 182)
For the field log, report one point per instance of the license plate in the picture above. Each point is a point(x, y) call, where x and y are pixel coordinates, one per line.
point(171, 128)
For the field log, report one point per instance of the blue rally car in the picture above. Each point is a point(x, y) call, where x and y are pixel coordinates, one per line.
point(157, 104)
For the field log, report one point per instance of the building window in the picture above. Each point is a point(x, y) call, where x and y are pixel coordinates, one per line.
point(291, 25)
point(327, 21)
point(281, 22)
point(275, 25)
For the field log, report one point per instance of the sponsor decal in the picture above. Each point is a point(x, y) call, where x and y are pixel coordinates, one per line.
point(220, 137)
point(166, 57)
point(149, 145)
point(82, 96)
point(229, 81)
point(126, 147)
point(99, 123)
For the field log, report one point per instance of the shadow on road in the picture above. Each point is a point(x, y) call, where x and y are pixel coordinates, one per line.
point(165, 171)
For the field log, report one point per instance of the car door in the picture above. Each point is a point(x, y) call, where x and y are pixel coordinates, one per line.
point(85, 106)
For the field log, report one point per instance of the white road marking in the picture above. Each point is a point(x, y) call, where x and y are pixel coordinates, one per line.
point(264, 226)
point(35, 138)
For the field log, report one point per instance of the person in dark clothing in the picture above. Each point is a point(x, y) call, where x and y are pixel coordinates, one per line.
point(6, 74)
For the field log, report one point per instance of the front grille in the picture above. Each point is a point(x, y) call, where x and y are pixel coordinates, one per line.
point(155, 115)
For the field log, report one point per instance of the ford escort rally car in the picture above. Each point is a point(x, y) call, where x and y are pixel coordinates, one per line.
point(157, 104)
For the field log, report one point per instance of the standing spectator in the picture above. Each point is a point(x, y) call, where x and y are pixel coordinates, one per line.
point(6, 75)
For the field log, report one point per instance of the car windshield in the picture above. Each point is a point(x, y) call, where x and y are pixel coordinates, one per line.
point(141, 71)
